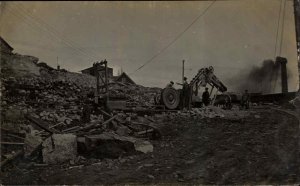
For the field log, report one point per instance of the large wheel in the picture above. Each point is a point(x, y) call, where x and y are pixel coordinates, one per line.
point(157, 99)
point(170, 98)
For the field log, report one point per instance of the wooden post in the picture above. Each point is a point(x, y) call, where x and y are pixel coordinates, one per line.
point(297, 30)
point(182, 71)
point(97, 81)
point(106, 81)
point(214, 99)
point(42, 124)
point(211, 90)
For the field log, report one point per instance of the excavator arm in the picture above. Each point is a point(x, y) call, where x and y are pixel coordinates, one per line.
point(171, 98)
point(206, 76)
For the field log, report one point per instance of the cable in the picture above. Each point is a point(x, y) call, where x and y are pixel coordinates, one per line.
point(33, 26)
point(277, 32)
point(51, 30)
point(38, 25)
point(282, 28)
point(175, 39)
point(275, 52)
point(281, 41)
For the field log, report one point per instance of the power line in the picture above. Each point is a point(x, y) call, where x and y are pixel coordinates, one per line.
point(32, 22)
point(276, 43)
point(36, 27)
point(277, 31)
point(31, 25)
point(281, 40)
point(51, 30)
point(282, 27)
point(175, 39)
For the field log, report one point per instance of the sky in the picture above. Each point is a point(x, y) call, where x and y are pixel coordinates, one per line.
point(232, 36)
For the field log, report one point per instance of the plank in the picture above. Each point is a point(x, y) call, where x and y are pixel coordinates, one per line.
point(42, 124)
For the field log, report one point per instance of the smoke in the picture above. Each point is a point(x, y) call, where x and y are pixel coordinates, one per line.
point(260, 79)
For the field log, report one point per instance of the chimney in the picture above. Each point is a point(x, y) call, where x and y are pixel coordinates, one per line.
point(284, 83)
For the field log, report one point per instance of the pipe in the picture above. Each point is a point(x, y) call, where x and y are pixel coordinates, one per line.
point(284, 83)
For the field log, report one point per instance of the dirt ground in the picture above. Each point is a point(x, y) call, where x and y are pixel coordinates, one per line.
point(262, 148)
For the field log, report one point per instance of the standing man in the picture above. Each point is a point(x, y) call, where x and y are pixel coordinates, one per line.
point(170, 85)
point(205, 97)
point(246, 100)
point(86, 113)
point(185, 94)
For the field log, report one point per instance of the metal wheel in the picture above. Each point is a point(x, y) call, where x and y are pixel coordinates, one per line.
point(157, 99)
point(170, 98)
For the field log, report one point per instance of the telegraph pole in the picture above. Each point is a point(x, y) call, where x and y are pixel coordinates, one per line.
point(297, 29)
point(58, 67)
point(182, 71)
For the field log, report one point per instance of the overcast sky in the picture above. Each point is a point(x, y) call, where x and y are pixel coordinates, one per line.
point(232, 36)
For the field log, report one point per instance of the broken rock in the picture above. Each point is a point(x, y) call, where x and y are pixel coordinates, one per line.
point(123, 131)
point(143, 146)
point(32, 142)
point(59, 148)
point(112, 144)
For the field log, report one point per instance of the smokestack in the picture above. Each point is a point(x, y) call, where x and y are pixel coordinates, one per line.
point(284, 83)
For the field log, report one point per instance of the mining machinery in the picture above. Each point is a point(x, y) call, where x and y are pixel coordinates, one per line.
point(171, 98)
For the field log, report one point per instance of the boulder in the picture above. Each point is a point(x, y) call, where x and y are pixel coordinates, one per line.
point(143, 146)
point(123, 131)
point(109, 144)
point(296, 101)
point(31, 142)
point(59, 148)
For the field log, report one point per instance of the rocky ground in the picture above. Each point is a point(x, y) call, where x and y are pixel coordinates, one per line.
point(202, 146)
point(260, 148)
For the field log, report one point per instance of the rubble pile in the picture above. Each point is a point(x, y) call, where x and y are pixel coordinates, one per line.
point(210, 112)
point(19, 65)
point(124, 132)
point(81, 80)
point(41, 102)
point(50, 100)
point(60, 100)
point(38, 109)
point(296, 101)
point(134, 93)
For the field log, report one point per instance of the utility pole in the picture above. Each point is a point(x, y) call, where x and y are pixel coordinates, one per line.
point(297, 29)
point(101, 72)
point(106, 81)
point(58, 67)
point(182, 71)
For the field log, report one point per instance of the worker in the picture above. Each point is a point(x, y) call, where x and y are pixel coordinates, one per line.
point(245, 100)
point(205, 97)
point(185, 94)
point(170, 85)
point(86, 113)
point(227, 104)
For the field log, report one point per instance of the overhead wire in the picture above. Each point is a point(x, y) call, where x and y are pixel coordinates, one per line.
point(175, 39)
point(282, 28)
point(37, 26)
point(282, 9)
point(277, 30)
point(53, 31)
point(31, 25)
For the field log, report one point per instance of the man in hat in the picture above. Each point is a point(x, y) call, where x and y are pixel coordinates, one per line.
point(205, 97)
point(185, 94)
point(170, 85)
point(245, 100)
